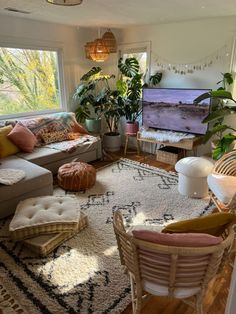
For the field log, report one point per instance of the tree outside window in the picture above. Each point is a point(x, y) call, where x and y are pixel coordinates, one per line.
point(29, 81)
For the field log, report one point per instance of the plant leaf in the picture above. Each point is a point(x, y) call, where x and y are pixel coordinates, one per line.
point(156, 78)
point(122, 87)
point(223, 146)
point(222, 94)
point(217, 128)
point(82, 113)
point(228, 77)
point(129, 67)
point(217, 114)
point(91, 73)
point(217, 153)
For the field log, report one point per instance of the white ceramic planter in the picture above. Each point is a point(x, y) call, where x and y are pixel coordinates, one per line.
point(111, 143)
point(93, 125)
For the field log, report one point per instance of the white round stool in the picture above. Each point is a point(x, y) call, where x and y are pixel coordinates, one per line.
point(193, 172)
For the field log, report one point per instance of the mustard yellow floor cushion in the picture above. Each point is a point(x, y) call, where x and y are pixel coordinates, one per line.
point(7, 148)
point(213, 224)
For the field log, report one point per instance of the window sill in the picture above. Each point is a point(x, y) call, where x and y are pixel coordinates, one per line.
point(29, 114)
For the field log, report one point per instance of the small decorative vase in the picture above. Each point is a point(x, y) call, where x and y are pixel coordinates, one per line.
point(131, 127)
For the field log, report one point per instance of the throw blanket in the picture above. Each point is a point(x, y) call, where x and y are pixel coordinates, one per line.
point(165, 136)
point(11, 176)
point(71, 146)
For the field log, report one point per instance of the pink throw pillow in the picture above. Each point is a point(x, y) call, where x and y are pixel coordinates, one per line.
point(177, 239)
point(22, 137)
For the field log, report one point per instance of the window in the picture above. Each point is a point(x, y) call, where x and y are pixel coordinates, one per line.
point(233, 68)
point(29, 81)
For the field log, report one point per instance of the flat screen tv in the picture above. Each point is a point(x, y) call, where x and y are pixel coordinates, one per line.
point(174, 109)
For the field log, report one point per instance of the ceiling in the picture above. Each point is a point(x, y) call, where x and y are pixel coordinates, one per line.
point(121, 13)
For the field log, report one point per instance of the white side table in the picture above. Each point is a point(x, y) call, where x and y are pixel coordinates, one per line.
point(193, 172)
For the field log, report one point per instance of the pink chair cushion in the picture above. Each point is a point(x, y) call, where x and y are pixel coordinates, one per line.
point(177, 239)
point(22, 137)
point(224, 187)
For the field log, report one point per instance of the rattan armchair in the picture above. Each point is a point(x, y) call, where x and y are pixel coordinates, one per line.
point(162, 270)
point(225, 166)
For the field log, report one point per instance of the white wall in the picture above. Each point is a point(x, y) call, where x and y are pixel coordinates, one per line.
point(188, 42)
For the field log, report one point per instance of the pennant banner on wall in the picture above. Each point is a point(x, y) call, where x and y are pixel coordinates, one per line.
point(220, 55)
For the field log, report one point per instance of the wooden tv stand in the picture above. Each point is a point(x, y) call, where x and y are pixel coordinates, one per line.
point(185, 145)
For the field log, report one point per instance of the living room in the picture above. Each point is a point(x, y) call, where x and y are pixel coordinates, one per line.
point(192, 44)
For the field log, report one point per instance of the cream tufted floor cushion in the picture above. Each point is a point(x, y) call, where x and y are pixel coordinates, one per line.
point(43, 215)
point(44, 244)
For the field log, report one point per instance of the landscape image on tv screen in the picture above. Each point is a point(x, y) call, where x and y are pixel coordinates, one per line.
point(174, 109)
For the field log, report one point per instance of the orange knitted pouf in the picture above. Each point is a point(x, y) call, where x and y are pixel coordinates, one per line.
point(76, 176)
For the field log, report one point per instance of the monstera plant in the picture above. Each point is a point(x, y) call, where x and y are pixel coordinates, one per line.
point(130, 87)
point(222, 105)
point(91, 97)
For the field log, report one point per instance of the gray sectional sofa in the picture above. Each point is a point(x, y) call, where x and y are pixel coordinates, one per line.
point(39, 167)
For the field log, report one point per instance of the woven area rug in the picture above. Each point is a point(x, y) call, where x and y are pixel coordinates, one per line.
point(84, 274)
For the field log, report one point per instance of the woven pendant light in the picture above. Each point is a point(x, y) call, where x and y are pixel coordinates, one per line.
point(110, 41)
point(99, 52)
point(65, 2)
point(88, 49)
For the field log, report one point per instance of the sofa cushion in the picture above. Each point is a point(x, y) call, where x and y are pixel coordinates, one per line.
point(43, 155)
point(7, 148)
point(57, 136)
point(224, 187)
point(177, 239)
point(22, 137)
point(55, 122)
point(36, 178)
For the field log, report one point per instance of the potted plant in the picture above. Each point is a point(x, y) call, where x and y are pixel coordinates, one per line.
point(90, 96)
point(221, 106)
point(130, 87)
point(114, 111)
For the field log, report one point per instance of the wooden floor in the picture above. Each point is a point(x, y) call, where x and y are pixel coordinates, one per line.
point(216, 298)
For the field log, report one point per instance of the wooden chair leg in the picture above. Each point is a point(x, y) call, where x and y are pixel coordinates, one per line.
point(199, 309)
point(136, 297)
point(126, 144)
point(138, 147)
point(199, 301)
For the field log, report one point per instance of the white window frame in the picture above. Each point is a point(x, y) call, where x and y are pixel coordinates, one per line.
point(232, 68)
point(23, 43)
point(144, 46)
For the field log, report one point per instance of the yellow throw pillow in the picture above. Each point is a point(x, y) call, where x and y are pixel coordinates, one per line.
point(7, 148)
point(213, 224)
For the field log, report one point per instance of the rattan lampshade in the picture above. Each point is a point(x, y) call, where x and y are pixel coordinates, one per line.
point(88, 49)
point(110, 41)
point(99, 52)
point(65, 2)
